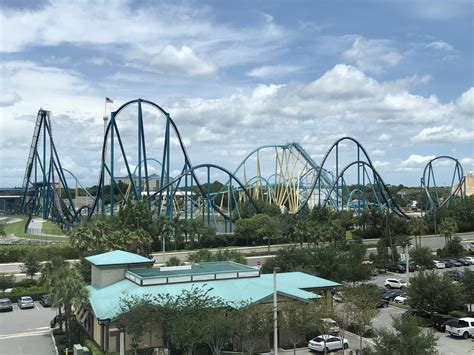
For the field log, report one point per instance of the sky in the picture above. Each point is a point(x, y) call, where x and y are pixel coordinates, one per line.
point(234, 75)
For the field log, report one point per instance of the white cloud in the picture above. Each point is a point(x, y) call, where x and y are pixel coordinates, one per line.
point(183, 61)
point(440, 45)
point(384, 137)
point(416, 161)
point(268, 71)
point(373, 55)
point(9, 98)
point(444, 134)
point(98, 61)
point(380, 164)
point(467, 163)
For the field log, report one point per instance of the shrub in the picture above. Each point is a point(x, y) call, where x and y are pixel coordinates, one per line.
point(93, 347)
point(34, 292)
point(25, 283)
point(458, 314)
point(16, 253)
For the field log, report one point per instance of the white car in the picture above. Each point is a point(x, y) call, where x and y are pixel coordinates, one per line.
point(395, 283)
point(470, 259)
point(439, 264)
point(464, 327)
point(329, 342)
point(330, 325)
point(401, 299)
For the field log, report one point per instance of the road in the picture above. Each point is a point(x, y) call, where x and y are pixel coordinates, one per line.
point(431, 241)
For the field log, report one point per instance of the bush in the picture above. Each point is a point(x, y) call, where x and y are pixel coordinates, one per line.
point(25, 283)
point(34, 292)
point(93, 347)
point(458, 314)
point(16, 253)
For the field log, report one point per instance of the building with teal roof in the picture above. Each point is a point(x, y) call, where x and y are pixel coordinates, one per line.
point(120, 275)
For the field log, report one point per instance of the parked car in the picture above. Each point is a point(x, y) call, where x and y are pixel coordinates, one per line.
point(383, 303)
point(455, 274)
point(447, 263)
point(338, 297)
point(439, 264)
point(470, 259)
point(463, 261)
point(401, 298)
point(397, 268)
point(45, 301)
point(25, 302)
point(464, 327)
point(416, 312)
point(455, 262)
point(395, 283)
point(441, 323)
point(411, 266)
point(390, 295)
point(470, 247)
point(329, 342)
point(5, 305)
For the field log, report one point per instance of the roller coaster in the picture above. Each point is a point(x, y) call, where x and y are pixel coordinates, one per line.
point(144, 159)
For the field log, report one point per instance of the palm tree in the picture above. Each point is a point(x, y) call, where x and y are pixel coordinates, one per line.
point(448, 228)
point(49, 277)
point(417, 228)
point(65, 287)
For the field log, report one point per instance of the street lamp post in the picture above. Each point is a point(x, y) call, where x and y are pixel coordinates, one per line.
point(275, 312)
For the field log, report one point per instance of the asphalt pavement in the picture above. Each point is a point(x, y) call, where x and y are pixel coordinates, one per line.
point(26, 331)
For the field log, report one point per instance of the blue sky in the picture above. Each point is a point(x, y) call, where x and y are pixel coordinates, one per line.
point(397, 75)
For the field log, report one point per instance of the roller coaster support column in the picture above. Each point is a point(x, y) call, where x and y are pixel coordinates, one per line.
point(337, 174)
point(112, 168)
point(45, 212)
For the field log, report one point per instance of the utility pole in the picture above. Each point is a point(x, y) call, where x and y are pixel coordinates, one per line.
point(275, 312)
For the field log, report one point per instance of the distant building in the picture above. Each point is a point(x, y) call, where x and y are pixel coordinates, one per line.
point(470, 184)
point(119, 274)
point(153, 181)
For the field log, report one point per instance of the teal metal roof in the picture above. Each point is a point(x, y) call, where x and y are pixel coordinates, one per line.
point(118, 257)
point(105, 302)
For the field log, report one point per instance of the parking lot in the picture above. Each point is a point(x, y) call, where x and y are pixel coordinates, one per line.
point(26, 331)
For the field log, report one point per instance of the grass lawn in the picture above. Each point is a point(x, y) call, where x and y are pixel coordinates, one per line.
point(50, 228)
point(17, 228)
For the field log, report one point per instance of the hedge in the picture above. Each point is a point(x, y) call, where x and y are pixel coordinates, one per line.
point(34, 292)
point(16, 253)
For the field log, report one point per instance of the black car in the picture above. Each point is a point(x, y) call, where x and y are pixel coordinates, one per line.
point(411, 266)
point(390, 295)
point(397, 268)
point(463, 262)
point(383, 303)
point(416, 312)
point(455, 274)
point(45, 301)
point(441, 323)
point(447, 263)
point(455, 262)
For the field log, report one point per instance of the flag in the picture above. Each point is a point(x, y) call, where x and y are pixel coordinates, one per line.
point(110, 101)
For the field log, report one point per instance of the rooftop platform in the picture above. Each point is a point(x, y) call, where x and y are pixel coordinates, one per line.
point(220, 270)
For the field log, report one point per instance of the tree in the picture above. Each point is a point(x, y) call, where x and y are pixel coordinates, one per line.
point(194, 310)
point(417, 228)
point(422, 257)
point(453, 248)
point(448, 228)
point(65, 287)
point(31, 264)
point(363, 300)
point(353, 267)
point(220, 327)
point(467, 282)
point(295, 320)
point(206, 255)
point(254, 324)
point(6, 281)
point(433, 292)
point(406, 338)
